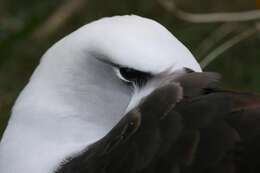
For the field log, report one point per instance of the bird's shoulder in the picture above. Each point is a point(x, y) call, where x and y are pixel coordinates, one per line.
point(189, 125)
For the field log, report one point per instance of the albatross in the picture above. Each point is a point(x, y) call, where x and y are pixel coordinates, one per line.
point(123, 95)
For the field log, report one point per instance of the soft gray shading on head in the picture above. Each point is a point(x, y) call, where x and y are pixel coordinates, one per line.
point(74, 96)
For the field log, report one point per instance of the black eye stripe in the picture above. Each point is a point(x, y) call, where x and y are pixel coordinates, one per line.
point(135, 76)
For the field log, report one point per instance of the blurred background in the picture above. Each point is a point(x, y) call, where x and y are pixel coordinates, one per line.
point(223, 35)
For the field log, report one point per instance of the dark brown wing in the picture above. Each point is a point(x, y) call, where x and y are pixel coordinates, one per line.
point(209, 131)
point(227, 126)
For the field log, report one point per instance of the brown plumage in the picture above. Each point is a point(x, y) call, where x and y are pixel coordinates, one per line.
point(209, 130)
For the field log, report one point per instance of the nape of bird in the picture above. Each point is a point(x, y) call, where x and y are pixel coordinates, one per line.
point(122, 94)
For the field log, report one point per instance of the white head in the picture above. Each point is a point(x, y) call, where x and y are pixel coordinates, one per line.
point(76, 94)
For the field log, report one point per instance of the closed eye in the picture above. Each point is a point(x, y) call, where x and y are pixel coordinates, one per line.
point(133, 76)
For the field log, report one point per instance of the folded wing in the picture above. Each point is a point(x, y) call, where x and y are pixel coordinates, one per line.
point(187, 126)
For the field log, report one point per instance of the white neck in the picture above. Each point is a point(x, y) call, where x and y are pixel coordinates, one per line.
point(69, 103)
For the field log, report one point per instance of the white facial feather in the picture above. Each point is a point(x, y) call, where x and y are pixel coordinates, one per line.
point(71, 101)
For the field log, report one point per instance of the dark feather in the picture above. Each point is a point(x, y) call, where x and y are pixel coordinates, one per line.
point(209, 131)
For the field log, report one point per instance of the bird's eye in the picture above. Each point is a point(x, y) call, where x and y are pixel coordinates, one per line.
point(133, 76)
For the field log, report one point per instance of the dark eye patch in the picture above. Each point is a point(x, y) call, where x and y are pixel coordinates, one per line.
point(134, 76)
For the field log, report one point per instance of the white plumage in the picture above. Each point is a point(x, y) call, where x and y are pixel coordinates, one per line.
point(74, 97)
